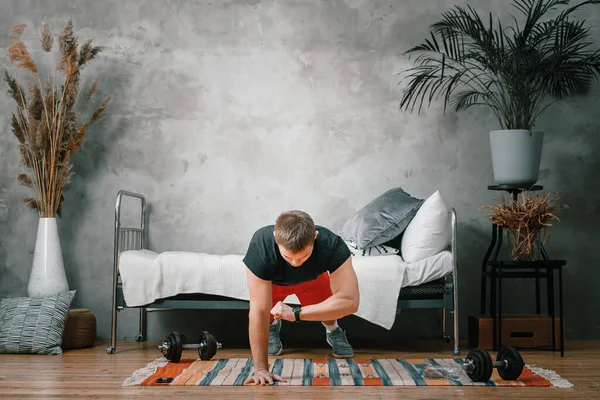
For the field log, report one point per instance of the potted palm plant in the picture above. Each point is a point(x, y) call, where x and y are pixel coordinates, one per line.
point(516, 72)
point(47, 127)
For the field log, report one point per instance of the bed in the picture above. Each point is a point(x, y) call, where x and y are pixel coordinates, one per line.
point(151, 281)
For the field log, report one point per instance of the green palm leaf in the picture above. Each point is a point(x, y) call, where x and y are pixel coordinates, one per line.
point(469, 62)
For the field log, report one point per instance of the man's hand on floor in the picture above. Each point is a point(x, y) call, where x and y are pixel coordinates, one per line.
point(262, 377)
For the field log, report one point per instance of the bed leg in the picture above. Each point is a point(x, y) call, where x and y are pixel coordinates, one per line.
point(454, 310)
point(113, 329)
point(456, 350)
point(142, 329)
point(454, 224)
point(444, 325)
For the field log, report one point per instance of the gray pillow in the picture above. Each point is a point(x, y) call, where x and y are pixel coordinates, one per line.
point(34, 325)
point(382, 219)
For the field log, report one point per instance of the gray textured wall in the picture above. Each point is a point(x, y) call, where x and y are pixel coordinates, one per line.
point(227, 112)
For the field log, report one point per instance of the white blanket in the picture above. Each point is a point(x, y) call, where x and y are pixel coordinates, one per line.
point(148, 276)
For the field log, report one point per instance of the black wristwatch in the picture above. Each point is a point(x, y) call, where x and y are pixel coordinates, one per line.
point(296, 312)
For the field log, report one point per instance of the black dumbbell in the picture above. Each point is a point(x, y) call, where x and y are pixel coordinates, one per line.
point(478, 365)
point(173, 346)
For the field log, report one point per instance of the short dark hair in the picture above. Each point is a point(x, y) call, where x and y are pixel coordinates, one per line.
point(294, 230)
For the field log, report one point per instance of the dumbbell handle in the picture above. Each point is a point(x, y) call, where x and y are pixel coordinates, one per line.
point(496, 364)
point(193, 345)
point(198, 345)
point(165, 346)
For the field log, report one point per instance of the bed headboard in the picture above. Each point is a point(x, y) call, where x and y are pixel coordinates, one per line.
point(129, 237)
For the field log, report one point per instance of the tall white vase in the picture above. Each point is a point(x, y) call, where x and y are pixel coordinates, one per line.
point(48, 272)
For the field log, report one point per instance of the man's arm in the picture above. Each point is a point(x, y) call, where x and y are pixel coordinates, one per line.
point(345, 298)
point(260, 305)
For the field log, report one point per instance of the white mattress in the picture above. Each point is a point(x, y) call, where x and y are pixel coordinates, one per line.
point(148, 276)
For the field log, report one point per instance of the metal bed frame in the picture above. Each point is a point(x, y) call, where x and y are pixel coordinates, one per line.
point(441, 293)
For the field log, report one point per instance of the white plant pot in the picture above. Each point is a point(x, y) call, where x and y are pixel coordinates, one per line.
point(48, 272)
point(516, 156)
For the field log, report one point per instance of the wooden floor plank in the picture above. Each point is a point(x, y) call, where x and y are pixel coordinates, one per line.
point(91, 373)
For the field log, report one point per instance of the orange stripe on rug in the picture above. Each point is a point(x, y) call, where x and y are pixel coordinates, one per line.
point(170, 370)
point(201, 372)
point(186, 374)
point(530, 379)
point(370, 376)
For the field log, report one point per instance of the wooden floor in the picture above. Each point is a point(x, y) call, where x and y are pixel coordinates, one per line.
point(91, 373)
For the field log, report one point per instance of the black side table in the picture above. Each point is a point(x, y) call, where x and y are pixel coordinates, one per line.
point(493, 268)
point(496, 244)
point(527, 269)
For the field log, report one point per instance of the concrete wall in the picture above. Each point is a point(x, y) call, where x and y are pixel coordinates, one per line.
point(225, 113)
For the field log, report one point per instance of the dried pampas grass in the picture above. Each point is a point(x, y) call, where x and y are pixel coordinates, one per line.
point(527, 221)
point(45, 123)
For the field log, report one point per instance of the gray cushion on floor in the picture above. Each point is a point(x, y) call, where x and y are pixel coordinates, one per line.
point(34, 325)
point(383, 219)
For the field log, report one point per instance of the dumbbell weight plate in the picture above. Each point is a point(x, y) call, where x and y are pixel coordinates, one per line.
point(175, 343)
point(209, 349)
point(482, 365)
point(515, 363)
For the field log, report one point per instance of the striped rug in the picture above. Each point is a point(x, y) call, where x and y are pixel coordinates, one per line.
point(331, 372)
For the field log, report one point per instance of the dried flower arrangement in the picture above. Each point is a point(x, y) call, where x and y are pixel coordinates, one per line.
point(45, 124)
point(528, 222)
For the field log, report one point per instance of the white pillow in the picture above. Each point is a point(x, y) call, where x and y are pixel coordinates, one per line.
point(429, 232)
point(379, 250)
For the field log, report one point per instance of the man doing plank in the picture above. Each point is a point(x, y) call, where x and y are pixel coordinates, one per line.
point(294, 256)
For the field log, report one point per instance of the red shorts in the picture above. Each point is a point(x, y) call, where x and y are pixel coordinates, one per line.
point(311, 292)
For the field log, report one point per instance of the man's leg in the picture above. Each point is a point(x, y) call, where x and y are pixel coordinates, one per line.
point(279, 293)
point(317, 291)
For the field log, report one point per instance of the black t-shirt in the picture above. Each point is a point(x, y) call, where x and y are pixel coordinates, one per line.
point(264, 259)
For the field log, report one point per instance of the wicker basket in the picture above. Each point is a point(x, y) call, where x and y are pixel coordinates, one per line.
point(80, 329)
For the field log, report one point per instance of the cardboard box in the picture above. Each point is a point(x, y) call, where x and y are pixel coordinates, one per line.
point(525, 331)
